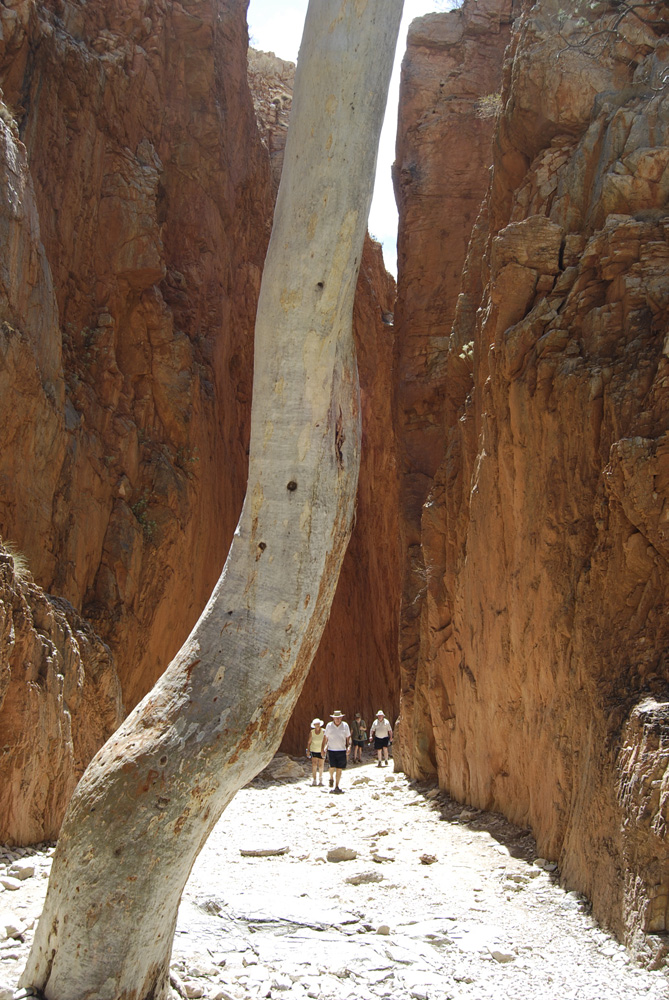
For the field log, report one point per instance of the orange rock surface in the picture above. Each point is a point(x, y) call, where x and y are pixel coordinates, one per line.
point(60, 699)
point(139, 174)
point(140, 241)
point(536, 680)
point(450, 74)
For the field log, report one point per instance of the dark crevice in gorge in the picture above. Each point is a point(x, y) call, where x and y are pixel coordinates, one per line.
point(504, 595)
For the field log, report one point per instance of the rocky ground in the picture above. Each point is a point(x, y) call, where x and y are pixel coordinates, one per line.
point(390, 890)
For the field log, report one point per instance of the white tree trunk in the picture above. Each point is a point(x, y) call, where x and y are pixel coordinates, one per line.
point(148, 801)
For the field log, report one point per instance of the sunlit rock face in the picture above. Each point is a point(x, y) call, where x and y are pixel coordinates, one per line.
point(451, 78)
point(535, 678)
point(60, 699)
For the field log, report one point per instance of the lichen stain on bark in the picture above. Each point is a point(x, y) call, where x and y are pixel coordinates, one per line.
point(305, 523)
point(245, 742)
point(290, 299)
point(257, 499)
point(279, 611)
point(181, 821)
point(269, 426)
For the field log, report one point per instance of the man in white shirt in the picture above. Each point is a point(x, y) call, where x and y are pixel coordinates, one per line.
point(337, 742)
point(382, 733)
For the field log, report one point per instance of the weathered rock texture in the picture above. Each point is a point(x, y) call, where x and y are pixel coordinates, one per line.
point(60, 699)
point(128, 381)
point(271, 81)
point(135, 207)
point(450, 74)
point(535, 677)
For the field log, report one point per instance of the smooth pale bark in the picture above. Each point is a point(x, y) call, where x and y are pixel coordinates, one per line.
point(148, 801)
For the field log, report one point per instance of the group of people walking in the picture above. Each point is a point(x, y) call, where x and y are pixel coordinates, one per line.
point(336, 740)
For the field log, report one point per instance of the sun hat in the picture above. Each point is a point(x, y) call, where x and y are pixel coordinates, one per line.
point(337, 715)
point(316, 722)
point(380, 712)
point(358, 715)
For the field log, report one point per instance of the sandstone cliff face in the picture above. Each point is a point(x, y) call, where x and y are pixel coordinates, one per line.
point(136, 215)
point(541, 685)
point(453, 63)
point(271, 81)
point(60, 699)
point(135, 208)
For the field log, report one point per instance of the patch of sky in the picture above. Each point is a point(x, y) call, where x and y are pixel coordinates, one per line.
point(277, 27)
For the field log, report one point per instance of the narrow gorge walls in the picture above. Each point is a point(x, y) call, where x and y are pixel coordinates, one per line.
point(534, 658)
point(136, 204)
point(355, 667)
point(450, 76)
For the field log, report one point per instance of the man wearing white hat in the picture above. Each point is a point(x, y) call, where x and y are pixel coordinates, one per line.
point(338, 742)
point(382, 733)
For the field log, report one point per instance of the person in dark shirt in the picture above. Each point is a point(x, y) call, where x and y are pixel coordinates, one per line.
point(358, 736)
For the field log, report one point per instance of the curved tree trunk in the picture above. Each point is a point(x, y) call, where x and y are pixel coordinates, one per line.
point(148, 801)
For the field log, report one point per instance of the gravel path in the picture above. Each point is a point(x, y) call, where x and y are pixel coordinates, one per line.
point(431, 902)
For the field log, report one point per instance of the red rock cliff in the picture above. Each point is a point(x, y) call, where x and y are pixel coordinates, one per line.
point(139, 249)
point(135, 208)
point(539, 660)
point(60, 699)
point(450, 74)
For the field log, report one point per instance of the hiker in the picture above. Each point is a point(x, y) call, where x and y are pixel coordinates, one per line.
point(382, 733)
point(337, 742)
point(316, 750)
point(358, 736)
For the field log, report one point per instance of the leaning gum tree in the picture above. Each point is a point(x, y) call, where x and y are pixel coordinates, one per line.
point(149, 799)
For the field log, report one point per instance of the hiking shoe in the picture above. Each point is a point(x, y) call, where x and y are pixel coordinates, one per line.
point(338, 790)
